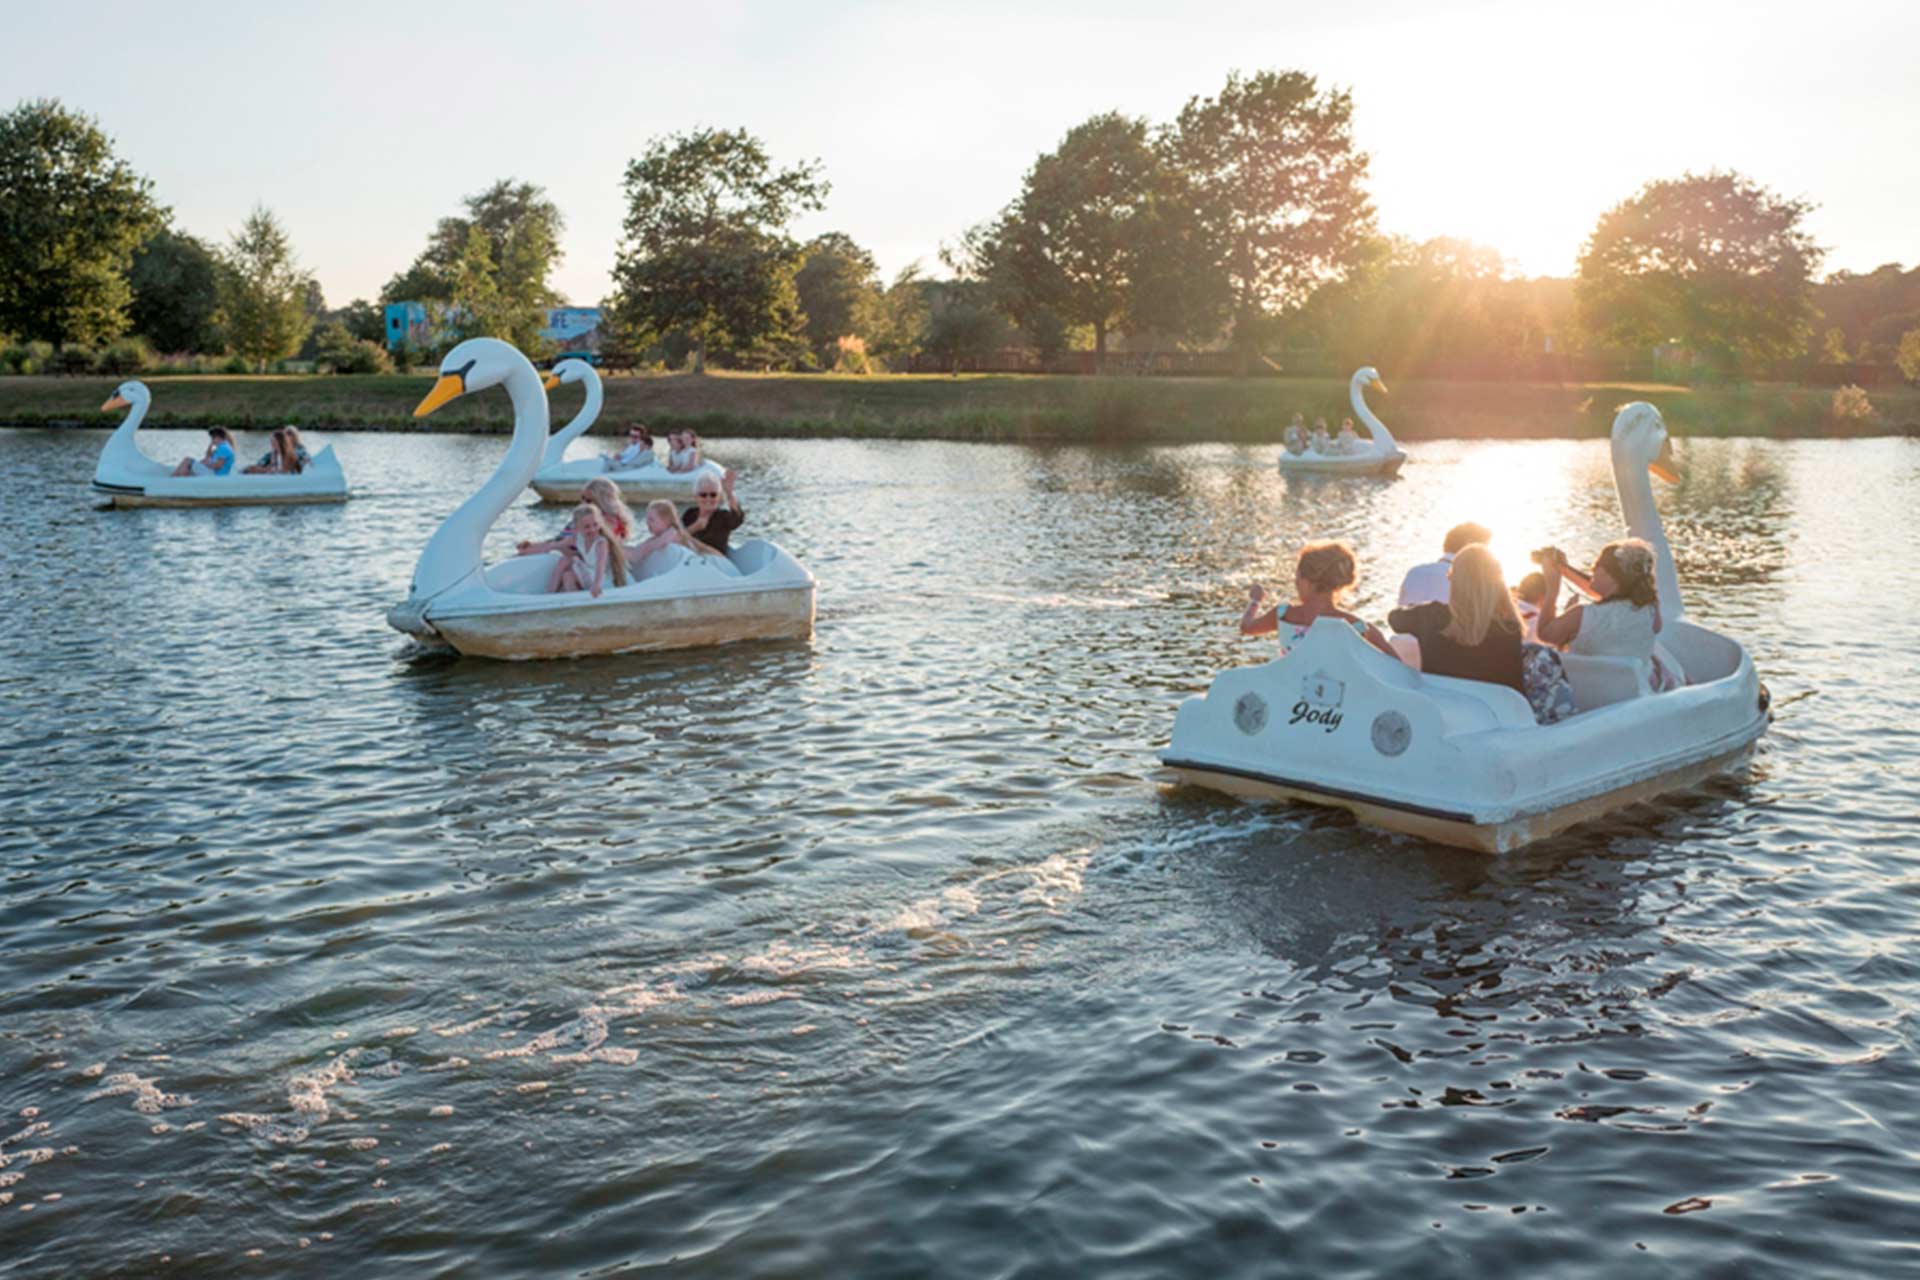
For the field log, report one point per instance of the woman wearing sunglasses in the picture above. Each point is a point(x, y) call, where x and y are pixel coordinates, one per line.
point(708, 520)
point(638, 453)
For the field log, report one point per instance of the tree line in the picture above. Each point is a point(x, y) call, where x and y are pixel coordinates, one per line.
point(1242, 226)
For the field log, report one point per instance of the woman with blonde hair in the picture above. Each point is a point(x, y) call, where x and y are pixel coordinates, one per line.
point(665, 529)
point(1477, 633)
point(604, 495)
point(1321, 577)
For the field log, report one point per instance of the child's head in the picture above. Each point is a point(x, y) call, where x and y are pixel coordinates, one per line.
point(1319, 424)
point(1299, 420)
point(605, 494)
point(587, 521)
point(219, 435)
point(661, 516)
point(1325, 568)
point(1532, 589)
point(1346, 426)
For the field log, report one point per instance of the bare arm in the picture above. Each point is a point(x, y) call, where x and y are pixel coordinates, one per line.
point(1252, 621)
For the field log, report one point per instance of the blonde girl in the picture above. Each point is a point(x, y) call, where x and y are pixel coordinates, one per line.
point(587, 554)
point(1321, 577)
point(665, 529)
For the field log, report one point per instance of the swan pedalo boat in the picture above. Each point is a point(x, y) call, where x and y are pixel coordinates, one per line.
point(1379, 455)
point(560, 480)
point(126, 477)
point(675, 598)
point(1336, 722)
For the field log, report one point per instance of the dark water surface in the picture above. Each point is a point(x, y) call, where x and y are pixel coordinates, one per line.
point(885, 955)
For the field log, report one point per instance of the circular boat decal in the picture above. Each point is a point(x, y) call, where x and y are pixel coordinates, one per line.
point(1250, 713)
point(1391, 733)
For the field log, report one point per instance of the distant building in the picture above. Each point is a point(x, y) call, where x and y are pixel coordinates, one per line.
point(568, 328)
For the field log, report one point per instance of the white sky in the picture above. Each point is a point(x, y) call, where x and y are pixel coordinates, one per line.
point(1510, 124)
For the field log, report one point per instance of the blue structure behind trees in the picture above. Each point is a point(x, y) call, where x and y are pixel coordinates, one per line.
point(569, 329)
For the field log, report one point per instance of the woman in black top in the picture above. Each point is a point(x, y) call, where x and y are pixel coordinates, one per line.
point(1477, 634)
point(707, 520)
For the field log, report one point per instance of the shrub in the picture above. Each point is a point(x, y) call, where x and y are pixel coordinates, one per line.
point(344, 353)
point(1850, 405)
point(1908, 355)
point(71, 361)
point(236, 364)
point(850, 355)
point(127, 356)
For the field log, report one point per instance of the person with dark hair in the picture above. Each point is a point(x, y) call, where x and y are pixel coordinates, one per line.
point(638, 453)
point(216, 461)
point(1623, 621)
point(1321, 577)
point(1428, 582)
point(707, 520)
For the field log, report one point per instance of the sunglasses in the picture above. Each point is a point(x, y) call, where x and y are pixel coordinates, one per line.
point(706, 497)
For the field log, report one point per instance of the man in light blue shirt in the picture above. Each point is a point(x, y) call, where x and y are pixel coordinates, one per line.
point(218, 459)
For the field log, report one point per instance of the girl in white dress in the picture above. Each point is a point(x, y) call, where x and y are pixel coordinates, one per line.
point(587, 554)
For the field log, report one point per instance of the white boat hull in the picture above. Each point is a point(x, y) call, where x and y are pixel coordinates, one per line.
point(563, 483)
point(1337, 723)
point(1368, 464)
point(691, 603)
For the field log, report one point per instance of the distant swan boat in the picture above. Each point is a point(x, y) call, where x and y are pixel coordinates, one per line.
point(1336, 722)
point(559, 480)
point(126, 477)
point(1378, 456)
point(676, 599)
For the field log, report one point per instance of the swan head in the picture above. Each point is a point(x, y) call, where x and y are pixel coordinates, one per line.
point(473, 365)
point(566, 373)
point(1640, 438)
point(1366, 374)
point(126, 395)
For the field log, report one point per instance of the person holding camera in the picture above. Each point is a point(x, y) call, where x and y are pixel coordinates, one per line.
point(1624, 619)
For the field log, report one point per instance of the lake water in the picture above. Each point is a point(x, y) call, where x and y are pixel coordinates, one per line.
point(886, 954)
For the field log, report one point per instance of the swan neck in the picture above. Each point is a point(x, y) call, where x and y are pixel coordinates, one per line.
point(454, 552)
point(556, 450)
point(1382, 438)
point(1634, 484)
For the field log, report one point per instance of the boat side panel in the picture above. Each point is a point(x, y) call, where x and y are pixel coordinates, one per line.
point(688, 622)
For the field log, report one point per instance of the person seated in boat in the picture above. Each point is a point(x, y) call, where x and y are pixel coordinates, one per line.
point(1428, 582)
point(1477, 634)
point(1348, 441)
point(707, 520)
point(285, 455)
point(1526, 601)
point(1320, 578)
point(686, 455)
point(638, 452)
point(614, 512)
point(1295, 438)
point(588, 554)
point(1623, 621)
point(216, 461)
point(1322, 442)
point(665, 529)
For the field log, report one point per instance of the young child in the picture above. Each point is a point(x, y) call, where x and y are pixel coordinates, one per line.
point(1349, 441)
point(1527, 598)
point(614, 512)
point(587, 554)
point(1322, 443)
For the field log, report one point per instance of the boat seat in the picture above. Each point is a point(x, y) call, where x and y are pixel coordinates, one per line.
point(1601, 682)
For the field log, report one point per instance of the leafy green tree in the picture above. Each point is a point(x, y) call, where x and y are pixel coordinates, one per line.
point(1833, 347)
point(705, 250)
point(364, 321)
point(264, 295)
point(1908, 355)
point(839, 293)
point(963, 322)
point(898, 328)
point(1715, 261)
point(175, 282)
point(490, 270)
point(71, 216)
point(1275, 186)
point(1071, 247)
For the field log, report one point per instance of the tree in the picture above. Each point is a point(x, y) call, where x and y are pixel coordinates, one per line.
point(899, 325)
point(490, 271)
point(1908, 356)
point(174, 279)
point(1275, 185)
point(962, 321)
point(1833, 347)
point(364, 321)
point(71, 216)
point(264, 295)
point(1714, 261)
point(1071, 248)
point(705, 249)
point(839, 293)
point(339, 350)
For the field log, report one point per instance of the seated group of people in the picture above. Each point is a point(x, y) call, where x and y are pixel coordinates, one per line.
point(594, 547)
point(1299, 440)
point(683, 451)
point(286, 455)
point(1457, 617)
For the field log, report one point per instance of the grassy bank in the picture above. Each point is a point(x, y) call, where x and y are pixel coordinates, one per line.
point(986, 407)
